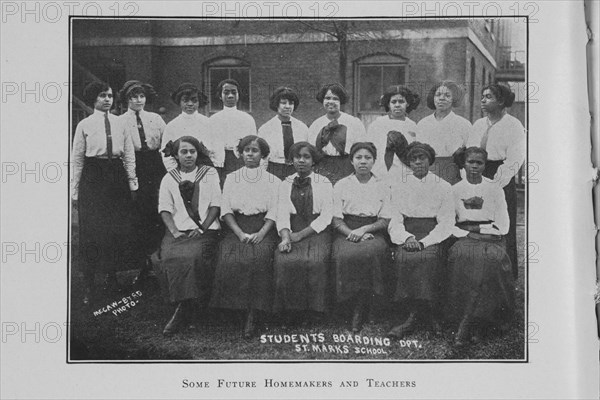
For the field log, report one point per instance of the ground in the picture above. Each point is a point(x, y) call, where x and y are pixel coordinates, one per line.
point(136, 332)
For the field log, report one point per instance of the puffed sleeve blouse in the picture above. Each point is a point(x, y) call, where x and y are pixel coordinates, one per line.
point(493, 209)
point(446, 135)
point(429, 197)
point(272, 132)
point(170, 200)
point(90, 141)
point(250, 191)
point(355, 132)
point(370, 199)
point(506, 141)
point(322, 191)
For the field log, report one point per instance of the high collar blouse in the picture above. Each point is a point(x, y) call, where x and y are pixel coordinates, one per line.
point(493, 209)
point(195, 125)
point(153, 124)
point(506, 142)
point(370, 199)
point(230, 125)
point(90, 141)
point(250, 191)
point(355, 132)
point(429, 197)
point(170, 200)
point(272, 132)
point(446, 135)
point(322, 192)
point(377, 134)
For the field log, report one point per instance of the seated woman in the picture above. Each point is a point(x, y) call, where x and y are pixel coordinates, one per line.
point(189, 202)
point(301, 265)
point(423, 217)
point(334, 133)
point(282, 131)
point(481, 290)
point(360, 217)
point(391, 133)
point(244, 272)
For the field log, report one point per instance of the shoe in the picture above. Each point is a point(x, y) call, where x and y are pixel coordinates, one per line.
point(357, 318)
point(405, 328)
point(249, 326)
point(87, 294)
point(463, 336)
point(176, 321)
point(111, 284)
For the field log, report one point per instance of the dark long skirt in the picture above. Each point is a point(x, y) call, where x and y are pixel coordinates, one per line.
point(244, 272)
point(106, 240)
point(281, 171)
point(302, 276)
point(445, 168)
point(418, 273)
point(149, 226)
point(185, 267)
point(335, 168)
point(510, 193)
point(358, 266)
point(481, 284)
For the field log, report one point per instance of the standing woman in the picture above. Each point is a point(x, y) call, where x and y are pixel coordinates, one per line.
point(334, 133)
point(146, 131)
point(360, 217)
point(423, 217)
point(191, 123)
point(244, 272)
point(282, 131)
point(230, 125)
point(104, 184)
point(302, 262)
point(481, 290)
point(503, 137)
point(443, 130)
point(391, 133)
point(189, 202)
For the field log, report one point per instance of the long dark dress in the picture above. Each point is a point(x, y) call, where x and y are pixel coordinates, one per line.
point(359, 266)
point(244, 272)
point(302, 276)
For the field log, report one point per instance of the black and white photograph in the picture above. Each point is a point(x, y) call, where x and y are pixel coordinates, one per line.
point(298, 189)
point(391, 199)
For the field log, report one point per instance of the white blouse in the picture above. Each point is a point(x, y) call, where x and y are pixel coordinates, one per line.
point(195, 125)
point(272, 132)
point(445, 136)
point(250, 191)
point(230, 125)
point(90, 141)
point(153, 124)
point(430, 197)
point(362, 199)
point(322, 192)
point(493, 208)
point(355, 132)
point(377, 134)
point(506, 141)
point(170, 200)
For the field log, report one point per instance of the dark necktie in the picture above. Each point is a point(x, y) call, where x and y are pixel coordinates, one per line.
point(109, 152)
point(140, 127)
point(288, 138)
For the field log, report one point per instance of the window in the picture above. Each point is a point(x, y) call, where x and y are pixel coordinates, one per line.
point(472, 90)
point(374, 74)
point(227, 68)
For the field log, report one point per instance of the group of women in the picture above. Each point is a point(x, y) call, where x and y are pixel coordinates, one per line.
point(294, 219)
